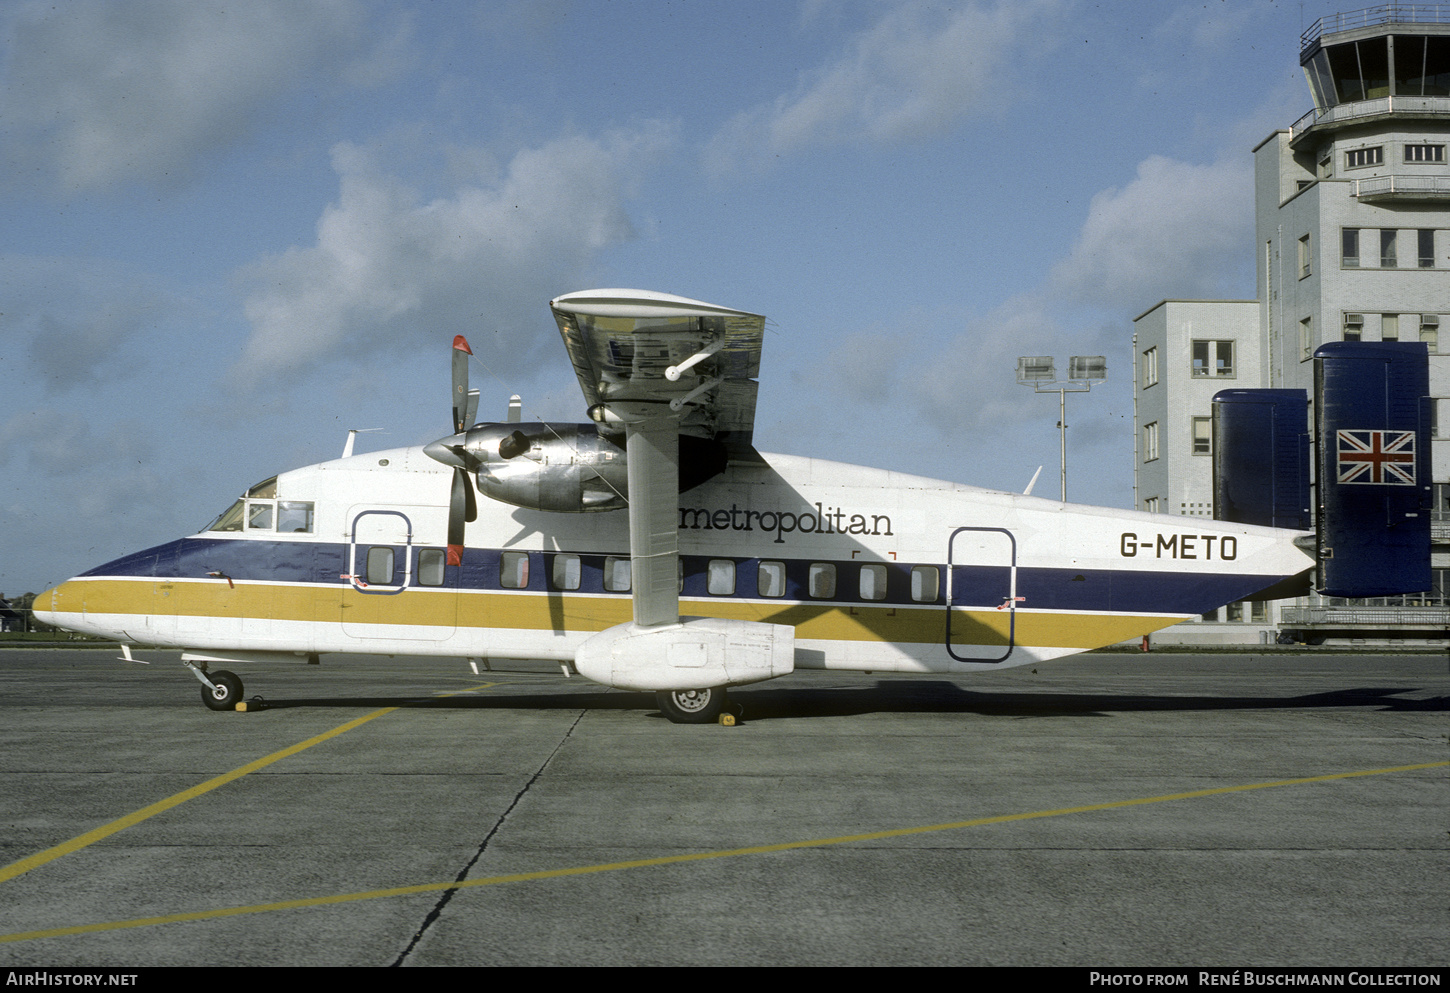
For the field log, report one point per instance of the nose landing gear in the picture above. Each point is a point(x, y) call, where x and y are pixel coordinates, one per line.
point(220, 690)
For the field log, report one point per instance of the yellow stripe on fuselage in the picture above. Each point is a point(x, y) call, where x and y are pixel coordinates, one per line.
point(588, 613)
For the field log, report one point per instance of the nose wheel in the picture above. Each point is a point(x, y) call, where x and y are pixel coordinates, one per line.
point(692, 706)
point(225, 691)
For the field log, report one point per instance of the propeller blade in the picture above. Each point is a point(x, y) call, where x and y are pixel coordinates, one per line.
point(458, 513)
point(462, 506)
point(461, 352)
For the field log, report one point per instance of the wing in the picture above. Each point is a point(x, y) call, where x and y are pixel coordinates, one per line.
point(660, 366)
point(624, 344)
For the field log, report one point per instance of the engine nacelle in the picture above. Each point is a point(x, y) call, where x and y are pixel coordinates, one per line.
point(695, 654)
point(569, 468)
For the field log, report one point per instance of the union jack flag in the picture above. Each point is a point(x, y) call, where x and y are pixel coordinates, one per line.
point(1376, 457)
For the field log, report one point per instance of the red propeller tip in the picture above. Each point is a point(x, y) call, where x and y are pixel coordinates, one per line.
point(461, 343)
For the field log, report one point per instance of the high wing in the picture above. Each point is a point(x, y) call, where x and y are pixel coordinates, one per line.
point(624, 344)
point(658, 366)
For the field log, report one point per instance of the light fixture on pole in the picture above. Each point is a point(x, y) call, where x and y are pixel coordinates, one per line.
point(1040, 373)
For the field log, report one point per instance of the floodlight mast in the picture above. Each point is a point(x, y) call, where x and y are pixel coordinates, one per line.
point(1039, 372)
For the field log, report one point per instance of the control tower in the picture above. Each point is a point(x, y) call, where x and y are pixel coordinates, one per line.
point(1353, 201)
point(1377, 61)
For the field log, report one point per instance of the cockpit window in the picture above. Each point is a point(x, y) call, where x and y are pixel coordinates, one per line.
point(259, 515)
point(260, 510)
point(294, 516)
point(231, 518)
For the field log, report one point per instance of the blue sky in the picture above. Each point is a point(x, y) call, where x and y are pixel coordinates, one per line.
point(229, 233)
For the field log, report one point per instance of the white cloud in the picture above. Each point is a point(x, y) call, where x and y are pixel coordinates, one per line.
point(390, 271)
point(1177, 230)
point(912, 74)
point(98, 92)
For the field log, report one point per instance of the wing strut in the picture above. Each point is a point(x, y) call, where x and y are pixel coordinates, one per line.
point(652, 442)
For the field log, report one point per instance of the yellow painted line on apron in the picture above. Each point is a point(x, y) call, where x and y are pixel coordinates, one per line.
point(106, 830)
point(522, 877)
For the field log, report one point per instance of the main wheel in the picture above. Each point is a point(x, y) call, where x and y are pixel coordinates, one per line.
point(227, 693)
point(692, 706)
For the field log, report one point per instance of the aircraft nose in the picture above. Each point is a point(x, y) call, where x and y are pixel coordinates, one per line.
point(43, 609)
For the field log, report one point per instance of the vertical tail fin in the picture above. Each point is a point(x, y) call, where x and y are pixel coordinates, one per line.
point(1371, 465)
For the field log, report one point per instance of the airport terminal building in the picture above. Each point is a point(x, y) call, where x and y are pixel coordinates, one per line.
point(1352, 222)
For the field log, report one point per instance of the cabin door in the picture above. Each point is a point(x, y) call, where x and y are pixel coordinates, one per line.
point(981, 594)
point(396, 588)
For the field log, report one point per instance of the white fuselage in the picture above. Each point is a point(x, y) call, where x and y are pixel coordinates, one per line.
point(872, 569)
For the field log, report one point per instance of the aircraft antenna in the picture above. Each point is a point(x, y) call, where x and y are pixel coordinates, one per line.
point(351, 437)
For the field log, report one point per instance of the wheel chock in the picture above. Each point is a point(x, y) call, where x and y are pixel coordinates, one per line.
point(727, 720)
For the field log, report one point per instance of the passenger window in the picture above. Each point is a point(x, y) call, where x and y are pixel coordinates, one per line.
point(294, 516)
point(616, 574)
point(925, 583)
point(380, 565)
point(566, 572)
point(430, 566)
point(770, 579)
point(822, 580)
point(873, 582)
point(259, 516)
point(513, 570)
point(721, 581)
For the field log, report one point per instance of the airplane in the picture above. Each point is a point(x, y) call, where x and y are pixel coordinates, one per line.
point(653, 548)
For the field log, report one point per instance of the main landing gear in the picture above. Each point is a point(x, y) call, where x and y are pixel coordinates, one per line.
point(692, 706)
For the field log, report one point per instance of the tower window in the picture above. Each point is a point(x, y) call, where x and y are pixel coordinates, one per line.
point(1349, 250)
point(1305, 266)
point(1426, 247)
point(1357, 158)
point(1424, 153)
point(1353, 327)
point(1387, 248)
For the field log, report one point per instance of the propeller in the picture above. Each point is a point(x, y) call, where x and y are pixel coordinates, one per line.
point(465, 401)
point(462, 505)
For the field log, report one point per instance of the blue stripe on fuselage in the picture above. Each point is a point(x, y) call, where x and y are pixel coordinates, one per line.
point(1121, 591)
